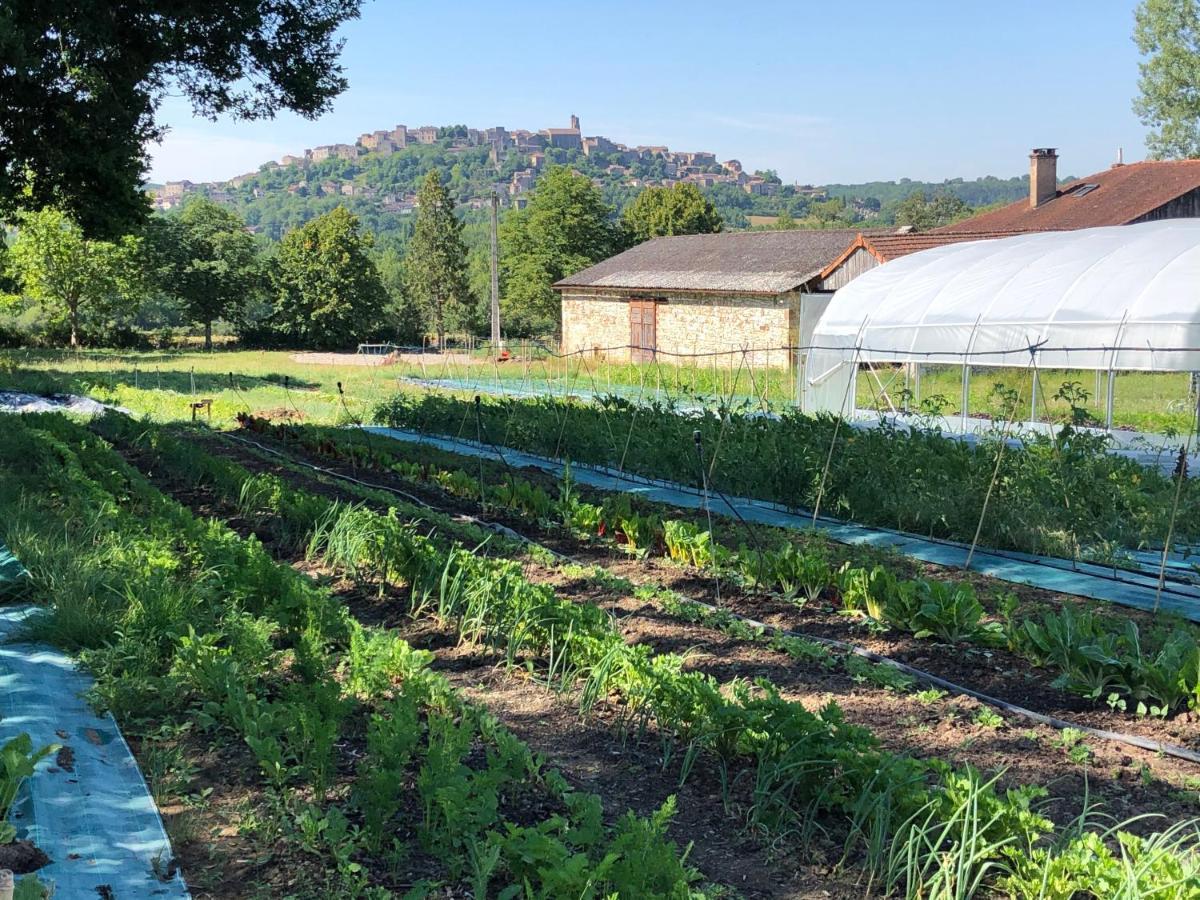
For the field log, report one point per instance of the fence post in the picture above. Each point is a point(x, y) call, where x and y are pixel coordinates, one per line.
point(966, 375)
point(1033, 392)
point(1112, 374)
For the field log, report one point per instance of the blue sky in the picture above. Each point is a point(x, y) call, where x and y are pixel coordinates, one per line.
point(822, 92)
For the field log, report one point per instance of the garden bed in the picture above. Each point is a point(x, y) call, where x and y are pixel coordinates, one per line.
point(369, 775)
point(374, 772)
point(1127, 781)
point(989, 669)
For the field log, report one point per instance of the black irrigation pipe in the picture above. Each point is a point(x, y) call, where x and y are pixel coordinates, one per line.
point(1131, 740)
point(496, 527)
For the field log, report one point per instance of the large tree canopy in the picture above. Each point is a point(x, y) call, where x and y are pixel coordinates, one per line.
point(1167, 32)
point(328, 291)
point(58, 267)
point(81, 80)
point(209, 262)
point(566, 227)
point(679, 209)
point(924, 212)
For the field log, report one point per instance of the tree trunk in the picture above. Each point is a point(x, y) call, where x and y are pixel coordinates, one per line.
point(439, 324)
point(74, 312)
point(208, 335)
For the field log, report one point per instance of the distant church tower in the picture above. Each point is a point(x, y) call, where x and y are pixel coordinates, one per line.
point(575, 122)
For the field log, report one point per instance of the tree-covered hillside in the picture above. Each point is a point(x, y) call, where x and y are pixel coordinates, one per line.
point(381, 189)
point(976, 192)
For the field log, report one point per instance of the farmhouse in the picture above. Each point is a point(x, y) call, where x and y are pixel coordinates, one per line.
point(704, 293)
point(764, 291)
point(1123, 194)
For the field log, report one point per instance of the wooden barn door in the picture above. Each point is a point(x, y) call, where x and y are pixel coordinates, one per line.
point(643, 325)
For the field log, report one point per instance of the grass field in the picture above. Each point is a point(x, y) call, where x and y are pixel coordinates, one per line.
point(162, 384)
point(1143, 401)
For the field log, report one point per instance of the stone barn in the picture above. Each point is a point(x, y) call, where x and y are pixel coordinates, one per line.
point(674, 296)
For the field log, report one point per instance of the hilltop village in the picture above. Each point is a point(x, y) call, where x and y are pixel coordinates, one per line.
point(519, 153)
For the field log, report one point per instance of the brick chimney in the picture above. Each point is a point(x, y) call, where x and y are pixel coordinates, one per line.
point(1043, 176)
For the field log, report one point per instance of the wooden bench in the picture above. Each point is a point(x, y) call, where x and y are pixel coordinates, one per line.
point(201, 404)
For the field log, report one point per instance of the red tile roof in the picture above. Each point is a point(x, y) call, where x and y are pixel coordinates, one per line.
point(1122, 194)
point(889, 246)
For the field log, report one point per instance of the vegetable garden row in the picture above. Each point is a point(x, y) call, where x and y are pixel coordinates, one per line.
point(183, 622)
point(1104, 658)
point(1061, 495)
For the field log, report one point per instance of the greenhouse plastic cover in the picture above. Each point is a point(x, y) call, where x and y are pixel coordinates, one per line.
point(1122, 297)
point(95, 817)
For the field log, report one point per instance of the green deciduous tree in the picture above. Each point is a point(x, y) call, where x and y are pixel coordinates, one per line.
point(679, 209)
point(56, 266)
point(922, 212)
point(566, 227)
point(210, 262)
point(831, 213)
point(81, 81)
point(1167, 32)
point(785, 221)
point(328, 294)
point(436, 260)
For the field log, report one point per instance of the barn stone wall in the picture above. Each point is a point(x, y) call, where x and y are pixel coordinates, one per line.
point(596, 324)
point(594, 321)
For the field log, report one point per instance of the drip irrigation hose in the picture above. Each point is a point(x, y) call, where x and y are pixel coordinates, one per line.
point(1131, 740)
point(496, 527)
point(707, 510)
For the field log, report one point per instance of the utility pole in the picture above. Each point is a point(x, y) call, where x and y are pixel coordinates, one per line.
point(495, 279)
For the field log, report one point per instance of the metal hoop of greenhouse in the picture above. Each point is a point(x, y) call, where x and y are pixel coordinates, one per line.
point(1124, 298)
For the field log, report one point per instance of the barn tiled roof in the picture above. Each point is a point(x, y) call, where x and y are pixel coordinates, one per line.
point(1121, 195)
point(889, 246)
point(749, 262)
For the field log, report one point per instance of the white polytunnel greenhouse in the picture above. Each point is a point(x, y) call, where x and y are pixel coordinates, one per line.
point(1105, 299)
